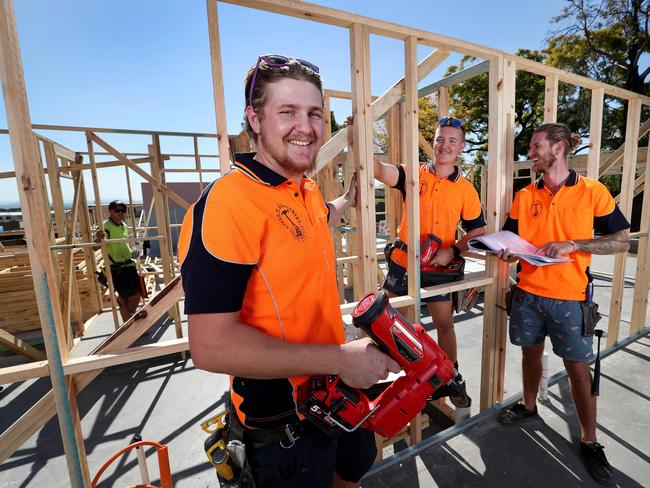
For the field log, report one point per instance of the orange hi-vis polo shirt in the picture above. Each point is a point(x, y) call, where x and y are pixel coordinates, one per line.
point(581, 206)
point(256, 244)
point(444, 202)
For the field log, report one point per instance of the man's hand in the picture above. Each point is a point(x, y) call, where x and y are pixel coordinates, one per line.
point(557, 249)
point(504, 255)
point(363, 364)
point(351, 195)
point(443, 257)
point(339, 205)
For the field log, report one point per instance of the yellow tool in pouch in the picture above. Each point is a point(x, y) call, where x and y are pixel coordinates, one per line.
point(215, 446)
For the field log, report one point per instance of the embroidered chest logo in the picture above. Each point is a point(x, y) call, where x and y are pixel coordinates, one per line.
point(535, 209)
point(290, 220)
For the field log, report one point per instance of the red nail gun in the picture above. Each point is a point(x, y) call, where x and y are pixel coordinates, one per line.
point(333, 405)
point(429, 247)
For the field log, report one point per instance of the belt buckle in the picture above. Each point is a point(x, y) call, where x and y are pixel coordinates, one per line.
point(292, 436)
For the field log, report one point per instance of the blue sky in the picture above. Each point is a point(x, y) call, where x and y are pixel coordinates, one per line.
point(145, 64)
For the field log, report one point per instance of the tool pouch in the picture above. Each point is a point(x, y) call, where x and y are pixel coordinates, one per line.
point(510, 297)
point(388, 250)
point(227, 453)
point(590, 317)
point(236, 436)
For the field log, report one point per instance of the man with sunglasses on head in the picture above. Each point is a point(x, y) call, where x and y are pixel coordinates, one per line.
point(559, 213)
point(446, 199)
point(259, 274)
point(123, 270)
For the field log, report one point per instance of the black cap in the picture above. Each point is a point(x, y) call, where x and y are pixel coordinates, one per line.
point(116, 204)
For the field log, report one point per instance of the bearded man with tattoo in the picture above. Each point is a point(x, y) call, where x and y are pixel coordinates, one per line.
point(563, 214)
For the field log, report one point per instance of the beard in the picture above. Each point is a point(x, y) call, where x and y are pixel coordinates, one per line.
point(544, 163)
point(282, 157)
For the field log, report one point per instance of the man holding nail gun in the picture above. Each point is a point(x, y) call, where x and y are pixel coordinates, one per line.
point(559, 213)
point(258, 269)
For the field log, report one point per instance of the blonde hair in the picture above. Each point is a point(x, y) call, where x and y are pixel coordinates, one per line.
point(560, 132)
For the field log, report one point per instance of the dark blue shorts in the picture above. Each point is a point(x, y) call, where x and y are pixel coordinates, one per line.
point(534, 317)
point(396, 282)
point(313, 459)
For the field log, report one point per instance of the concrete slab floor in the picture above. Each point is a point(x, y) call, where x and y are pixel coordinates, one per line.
point(541, 452)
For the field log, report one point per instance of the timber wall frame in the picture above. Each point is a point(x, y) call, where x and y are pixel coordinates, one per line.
point(400, 102)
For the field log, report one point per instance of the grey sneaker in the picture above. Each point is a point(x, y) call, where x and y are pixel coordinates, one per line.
point(593, 455)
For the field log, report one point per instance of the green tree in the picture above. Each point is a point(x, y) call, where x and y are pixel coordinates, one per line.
point(469, 102)
point(427, 123)
point(604, 40)
point(601, 39)
point(335, 127)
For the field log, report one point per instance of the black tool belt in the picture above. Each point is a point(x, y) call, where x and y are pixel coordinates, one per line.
point(398, 244)
point(286, 435)
point(391, 246)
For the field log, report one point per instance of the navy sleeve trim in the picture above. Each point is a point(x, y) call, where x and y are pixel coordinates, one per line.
point(213, 285)
point(512, 225)
point(401, 181)
point(611, 223)
point(476, 223)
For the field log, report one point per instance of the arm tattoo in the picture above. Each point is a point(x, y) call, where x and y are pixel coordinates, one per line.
point(609, 244)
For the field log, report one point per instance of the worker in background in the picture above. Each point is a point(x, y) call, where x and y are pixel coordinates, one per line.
point(446, 199)
point(126, 280)
point(258, 269)
point(559, 213)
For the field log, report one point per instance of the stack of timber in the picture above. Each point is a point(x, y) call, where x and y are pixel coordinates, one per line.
point(17, 296)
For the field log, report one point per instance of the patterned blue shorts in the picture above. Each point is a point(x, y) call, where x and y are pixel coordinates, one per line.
point(534, 317)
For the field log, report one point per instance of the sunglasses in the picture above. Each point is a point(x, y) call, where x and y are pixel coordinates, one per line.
point(450, 122)
point(276, 61)
point(119, 210)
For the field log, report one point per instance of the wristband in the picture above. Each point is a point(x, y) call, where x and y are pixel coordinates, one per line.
point(456, 251)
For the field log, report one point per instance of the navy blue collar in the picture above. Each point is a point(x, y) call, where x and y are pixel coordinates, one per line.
point(571, 180)
point(453, 177)
point(258, 171)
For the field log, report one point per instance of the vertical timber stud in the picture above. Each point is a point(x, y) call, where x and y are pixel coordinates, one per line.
point(443, 102)
point(499, 197)
point(412, 159)
point(29, 176)
point(363, 155)
point(550, 99)
point(642, 281)
point(595, 132)
point(99, 215)
point(55, 187)
point(217, 85)
point(161, 206)
point(627, 193)
point(410, 147)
